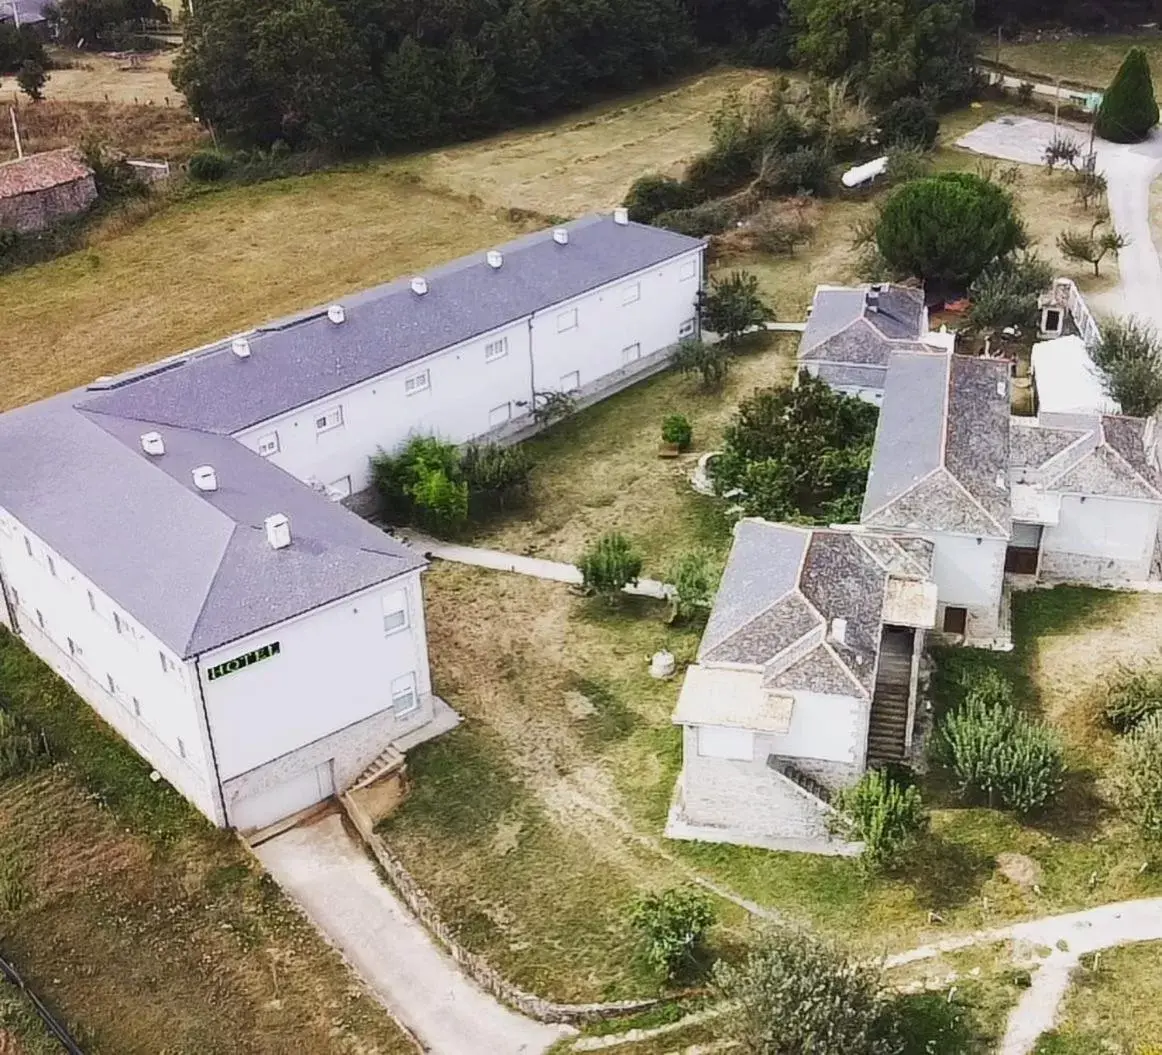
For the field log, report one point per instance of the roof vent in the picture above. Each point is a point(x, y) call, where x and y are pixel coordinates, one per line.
point(1000, 481)
point(1000, 388)
point(839, 631)
point(560, 235)
point(278, 531)
point(152, 443)
point(336, 314)
point(241, 347)
point(419, 285)
point(873, 299)
point(621, 216)
point(494, 258)
point(205, 479)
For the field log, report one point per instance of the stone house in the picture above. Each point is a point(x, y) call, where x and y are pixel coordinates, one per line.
point(42, 189)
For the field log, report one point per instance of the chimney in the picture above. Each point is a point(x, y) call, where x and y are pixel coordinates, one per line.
point(419, 285)
point(278, 532)
point(560, 236)
point(839, 631)
point(205, 479)
point(336, 314)
point(152, 443)
point(621, 217)
point(241, 347)
point(494, 258)
point(873, 299)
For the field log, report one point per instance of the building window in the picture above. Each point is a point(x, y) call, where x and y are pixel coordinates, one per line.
point(720, 741)
point(687, 328)
point(499, 415)
point(395, 612)
point(688, 270)
point(51, 564)
point(631, 293)
point(631, 353)
point(571, 382)
point(268, 444)
point(112, 684)
point(27, 546)
point(420, 382)
point(329, 419)
point(955, 620)
point(404, 700)
point(567, 320)
point(497, 349)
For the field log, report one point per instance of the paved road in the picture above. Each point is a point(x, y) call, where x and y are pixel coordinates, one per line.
point(322, 868)
point(1129, 170)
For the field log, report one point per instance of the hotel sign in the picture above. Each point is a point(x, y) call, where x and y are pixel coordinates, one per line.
point(231, 665)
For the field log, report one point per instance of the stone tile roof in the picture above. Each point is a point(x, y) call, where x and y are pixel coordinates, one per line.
point(843, 327)
point(941, 456)
point(39, 172)
point(1032, 445)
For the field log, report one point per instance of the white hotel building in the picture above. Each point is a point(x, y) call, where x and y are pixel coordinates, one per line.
point(166, 540)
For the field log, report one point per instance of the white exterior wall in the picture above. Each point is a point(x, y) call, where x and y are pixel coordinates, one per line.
point(824, 727)
point(969, 572)
point(463, 389)
point(157, 710)
point(1101, 540)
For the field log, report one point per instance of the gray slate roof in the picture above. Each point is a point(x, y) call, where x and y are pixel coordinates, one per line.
point(782, 587)
point(843, 328)
point(941, 456)
point(305, 357)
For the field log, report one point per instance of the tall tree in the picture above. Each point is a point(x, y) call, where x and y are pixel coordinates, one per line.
point(1128, 109)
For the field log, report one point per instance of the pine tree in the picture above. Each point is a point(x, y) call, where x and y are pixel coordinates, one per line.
point(1128, 110)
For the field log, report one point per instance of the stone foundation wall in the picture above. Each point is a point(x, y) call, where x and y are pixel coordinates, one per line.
point(1101, 571)
point(38, 210)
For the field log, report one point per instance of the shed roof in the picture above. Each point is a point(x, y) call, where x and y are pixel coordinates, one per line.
point(1067, 380)
point(38, 172)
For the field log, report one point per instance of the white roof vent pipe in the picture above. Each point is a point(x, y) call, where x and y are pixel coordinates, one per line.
point(205, 479)
point(839, 631)
point(152, 443)
point(621, 216)
point(241, 347)
point(560, 236)
point(419, 285)
point(278, 532)
point(336, 314)
point(494, 258)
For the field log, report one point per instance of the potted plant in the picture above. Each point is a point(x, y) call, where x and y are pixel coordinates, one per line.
point(676, 435)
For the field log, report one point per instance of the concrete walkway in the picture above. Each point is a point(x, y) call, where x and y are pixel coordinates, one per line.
point(323, 869)
point(536, 567)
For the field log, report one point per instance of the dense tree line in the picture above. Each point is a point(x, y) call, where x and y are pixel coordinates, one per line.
point(18, 46)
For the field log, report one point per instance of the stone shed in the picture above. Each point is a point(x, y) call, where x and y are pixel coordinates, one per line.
point(42, 189)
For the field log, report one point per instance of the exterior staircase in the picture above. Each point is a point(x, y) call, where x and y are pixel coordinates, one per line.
point(887, 737)
point(387, 761)
point(796, 776)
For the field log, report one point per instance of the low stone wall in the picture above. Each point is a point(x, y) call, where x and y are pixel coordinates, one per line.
point(475, 966)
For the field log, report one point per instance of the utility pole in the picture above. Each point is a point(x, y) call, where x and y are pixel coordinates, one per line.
point(16, 132)
point(1056, 103)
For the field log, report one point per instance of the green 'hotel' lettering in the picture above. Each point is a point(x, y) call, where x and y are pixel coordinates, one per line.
point(231, 665)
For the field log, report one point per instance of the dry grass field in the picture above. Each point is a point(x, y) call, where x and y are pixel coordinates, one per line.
point(1084, 61)
point(104, 78)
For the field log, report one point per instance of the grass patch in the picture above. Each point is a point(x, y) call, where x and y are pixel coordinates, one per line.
point(116, 887)
point(21, 1026)
point(1114, 1006)
point(1089, 61)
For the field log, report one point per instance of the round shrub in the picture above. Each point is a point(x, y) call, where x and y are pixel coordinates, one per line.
point(655, 194)
point(670, 927)
point(1132, 698)
point(676, 429)
point(908, 122)
point(1138, 776)
point(609, 565)
point(208, 166)
point(805, 170)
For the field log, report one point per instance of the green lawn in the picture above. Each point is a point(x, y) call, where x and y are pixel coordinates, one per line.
point(21, 1027)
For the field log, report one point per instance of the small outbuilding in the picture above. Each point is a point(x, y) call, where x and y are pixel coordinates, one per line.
point(1068, 383)
point(42, 189)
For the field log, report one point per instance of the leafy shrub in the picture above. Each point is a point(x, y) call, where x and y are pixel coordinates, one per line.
point(21, 751)
point(31, 79)
point(711, 361)
point(1025, 92)
point(208, 166)
point(653, 194)
point(609, 565)
point(733, 305)
point(676, 429)
point(1130, 358)
point(1137, 776)
point(799, 454)
point(693, 586)
point(498, 477)
point(1128, 109)
point(553, 406)
point(720, 171)
point(1007, 293)
point(713, 217)
point(882, 813)
point(670, 926)
point(804, 170)
point(1132, 698)
point(907, 163)
point(908, 122)
point(779, 230)
point(798, 994)
point(997, 752)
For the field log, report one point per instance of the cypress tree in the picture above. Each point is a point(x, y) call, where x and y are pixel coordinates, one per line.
point(1128, 109)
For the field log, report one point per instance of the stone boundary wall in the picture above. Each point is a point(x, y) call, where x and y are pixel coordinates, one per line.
point(474, 965)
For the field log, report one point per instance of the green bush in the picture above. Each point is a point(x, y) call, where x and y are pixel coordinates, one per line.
point(733, 305)
point(498, 477)
point(208, 166)
point(1137, 775)
point(908, 122)
point(804, 170)
point(676, 429)
point(1007, 293)
point(884, 815)
point(1128, 109)
point(693, 586)
point(609, 565)
point(710, 361)
point(998, 753)
point(653, 194)
point(720, 171)
point(1130, 359)
point(1132, 698)
point(671, 926)
point(713, 217)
